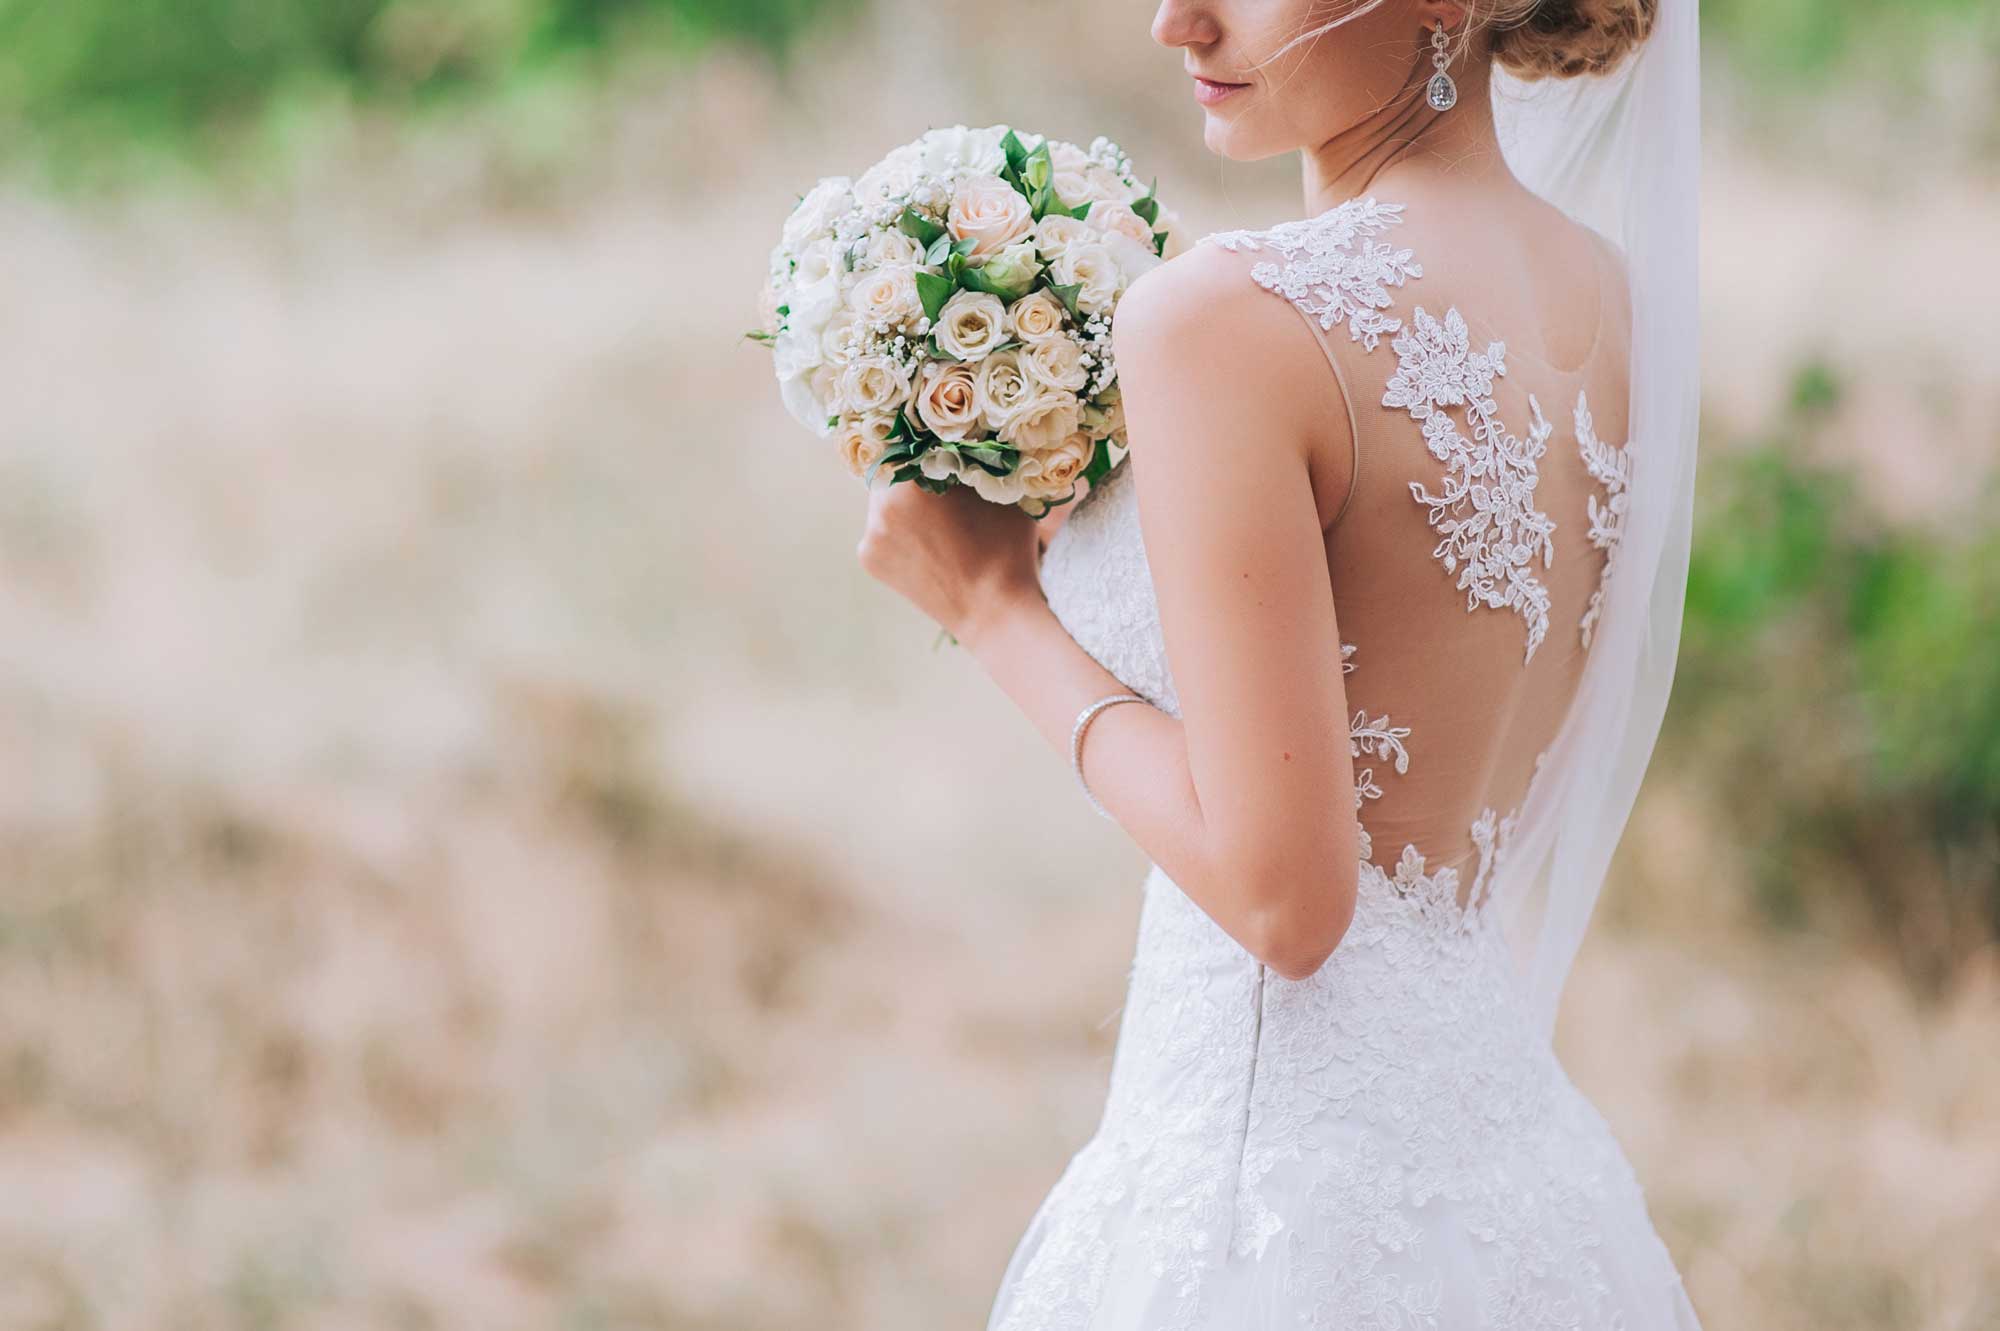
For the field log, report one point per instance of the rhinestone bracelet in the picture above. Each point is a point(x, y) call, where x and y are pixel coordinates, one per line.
point(1083, 720)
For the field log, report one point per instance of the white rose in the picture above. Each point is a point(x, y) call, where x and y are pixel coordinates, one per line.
point(1035, 316)
point(873, 385)
point(837, 340)
point(1044, 422)
point(817, 211)
point(1056, 362)
point(1119, 219)
point(817, 261)
point(943, 464)
point(1091, 183)
point(812, 304)
point(889, 179)
point(1134, 260)
point(948, 400)
point(860, 440)
point(802, 403)
point(1092, 268)
point(886, 297)
point(1004, 388)
point(971, 324)
point(1055, 472)
point(891, 248)
point(1055, 234)
point(941, 150)
point(990, 212)
point(1009, 489)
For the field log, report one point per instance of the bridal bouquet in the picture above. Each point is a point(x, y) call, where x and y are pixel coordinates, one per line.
point(946, 318)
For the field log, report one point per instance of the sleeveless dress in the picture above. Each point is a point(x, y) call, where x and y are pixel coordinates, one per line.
point(1390, 1144)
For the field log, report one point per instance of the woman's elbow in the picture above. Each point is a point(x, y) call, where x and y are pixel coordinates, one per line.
point(1302, 921)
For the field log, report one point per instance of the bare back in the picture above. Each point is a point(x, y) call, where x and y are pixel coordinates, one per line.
point(1478, 503)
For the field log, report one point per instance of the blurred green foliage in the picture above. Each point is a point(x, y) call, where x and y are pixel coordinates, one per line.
point(78, 72)
point(1811, 40)
point(1840, 695)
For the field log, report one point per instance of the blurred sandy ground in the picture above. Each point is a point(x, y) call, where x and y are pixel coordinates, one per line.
point(477, 854)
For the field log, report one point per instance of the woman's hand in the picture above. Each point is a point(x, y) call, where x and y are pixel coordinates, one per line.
point(956, 557)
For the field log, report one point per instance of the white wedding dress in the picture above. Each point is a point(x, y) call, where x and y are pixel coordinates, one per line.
point(1390, 1144)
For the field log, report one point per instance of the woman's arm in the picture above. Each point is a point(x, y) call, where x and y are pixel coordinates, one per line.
point(1247, 801)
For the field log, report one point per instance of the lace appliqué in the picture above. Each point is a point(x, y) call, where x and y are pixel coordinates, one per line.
point(1611, 467)
point(1490, 530)
point(1325, 275)
point(1372, 738)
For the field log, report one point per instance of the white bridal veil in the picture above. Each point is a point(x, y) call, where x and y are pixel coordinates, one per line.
point(1620, 153)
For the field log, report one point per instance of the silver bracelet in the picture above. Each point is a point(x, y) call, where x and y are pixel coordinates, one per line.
point(1083, 720)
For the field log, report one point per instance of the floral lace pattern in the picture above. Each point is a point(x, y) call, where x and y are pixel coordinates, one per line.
point(1323, 273)
point(1387, 1145)
point(1490, 530)
point(1611, 467)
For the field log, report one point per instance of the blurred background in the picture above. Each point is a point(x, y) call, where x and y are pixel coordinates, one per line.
point(474, 851)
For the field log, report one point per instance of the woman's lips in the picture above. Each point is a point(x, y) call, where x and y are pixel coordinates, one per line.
point(1208, 92)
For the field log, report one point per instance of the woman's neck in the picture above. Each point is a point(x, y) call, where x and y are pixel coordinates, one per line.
point(1406, 138)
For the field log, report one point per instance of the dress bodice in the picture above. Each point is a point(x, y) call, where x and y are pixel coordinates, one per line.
point(1328, 1129)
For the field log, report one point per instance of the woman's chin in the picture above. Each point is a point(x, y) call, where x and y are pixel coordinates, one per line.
point(1224, 137)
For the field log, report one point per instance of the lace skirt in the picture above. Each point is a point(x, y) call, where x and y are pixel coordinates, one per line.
point(1385, 1146)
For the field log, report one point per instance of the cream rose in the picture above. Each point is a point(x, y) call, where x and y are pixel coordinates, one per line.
point(816, 212)
point(863, 439)
point(873, 385)
point(1043, 423)
point(1055, 234)
point(893, 249)
point(1118, 219)
point(1056, 363)
point(1004, 388)
point(1035, 316)
point(1009, 489)
point(836, 340)
point(886, 296)
point(1092, 268)
point(948, 400)
point(971, 324)
point(1105, 417)
point(989, 212)
point(1054, 472)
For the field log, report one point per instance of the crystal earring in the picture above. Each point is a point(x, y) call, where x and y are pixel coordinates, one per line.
point(1440, 92)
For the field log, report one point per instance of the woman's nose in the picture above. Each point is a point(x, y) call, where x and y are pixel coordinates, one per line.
point(1183, 23)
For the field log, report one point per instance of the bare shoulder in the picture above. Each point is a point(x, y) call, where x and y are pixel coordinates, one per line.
point(1199, 324)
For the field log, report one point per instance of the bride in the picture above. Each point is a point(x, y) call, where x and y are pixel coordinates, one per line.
point(1390, 580)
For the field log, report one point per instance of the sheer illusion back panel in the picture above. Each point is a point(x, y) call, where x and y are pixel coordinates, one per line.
point(1482, 513)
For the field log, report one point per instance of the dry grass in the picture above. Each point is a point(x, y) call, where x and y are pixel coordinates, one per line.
point(477, 855)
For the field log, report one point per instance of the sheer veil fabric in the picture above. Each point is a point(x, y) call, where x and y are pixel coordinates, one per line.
point(1620, 153)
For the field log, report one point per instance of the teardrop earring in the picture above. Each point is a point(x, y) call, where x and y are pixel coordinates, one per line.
point(1440, 92)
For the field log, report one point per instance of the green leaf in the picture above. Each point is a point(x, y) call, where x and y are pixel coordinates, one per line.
point(1082, 211)
point(914, 223)
point(759, 335)
point(955, 266)
point(1160, 243)
point(965, 245)
point(1100, 462)
point(1016, 151)
point(936, 485)
point(1067, 295)
point(998, 459)
point(934, 291)
point(937, 352)
point(938, 249)
point(1149, 207)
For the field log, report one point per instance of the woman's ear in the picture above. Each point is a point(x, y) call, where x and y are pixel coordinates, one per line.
point(1450, 13)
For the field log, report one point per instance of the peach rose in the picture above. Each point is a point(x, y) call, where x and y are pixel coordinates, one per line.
point(989, 212)
point(948, 400)
point(1035, 316)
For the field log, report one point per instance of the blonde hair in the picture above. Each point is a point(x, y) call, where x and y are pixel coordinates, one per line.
point(1535, 39)
point(1563, 39)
